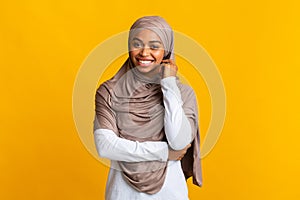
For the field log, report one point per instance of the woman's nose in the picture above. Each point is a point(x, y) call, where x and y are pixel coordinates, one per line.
point(145, 51)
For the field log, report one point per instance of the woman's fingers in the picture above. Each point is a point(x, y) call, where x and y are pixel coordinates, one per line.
point(178, 154)
point(184, 151)
point(168, 68)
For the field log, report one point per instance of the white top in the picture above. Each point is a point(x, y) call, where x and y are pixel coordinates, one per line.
point(179, 135)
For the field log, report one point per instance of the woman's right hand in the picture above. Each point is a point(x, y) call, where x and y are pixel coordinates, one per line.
point(168, 68)
point(178, 154)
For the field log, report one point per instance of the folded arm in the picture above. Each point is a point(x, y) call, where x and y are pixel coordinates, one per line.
point(110, 146)
point(178, 129)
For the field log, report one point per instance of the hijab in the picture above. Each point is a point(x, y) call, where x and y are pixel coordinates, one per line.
point(131, 104)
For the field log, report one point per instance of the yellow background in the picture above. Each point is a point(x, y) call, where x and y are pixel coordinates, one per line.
point(255, 45)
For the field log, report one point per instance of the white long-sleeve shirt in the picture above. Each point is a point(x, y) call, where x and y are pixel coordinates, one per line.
point(179, 134)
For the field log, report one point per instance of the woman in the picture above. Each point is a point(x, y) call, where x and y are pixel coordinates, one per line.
point(146, 121)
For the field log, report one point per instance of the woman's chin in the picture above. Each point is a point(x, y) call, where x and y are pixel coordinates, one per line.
point(143, 69)
point(148, 71)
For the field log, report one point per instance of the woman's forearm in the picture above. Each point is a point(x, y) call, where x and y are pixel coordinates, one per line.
point(177, 126)
point(110, 146)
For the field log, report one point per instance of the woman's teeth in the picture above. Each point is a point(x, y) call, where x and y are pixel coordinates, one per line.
point(145, 61)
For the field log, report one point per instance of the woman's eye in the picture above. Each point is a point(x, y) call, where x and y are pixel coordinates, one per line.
point(136, 45)
point(154, 47)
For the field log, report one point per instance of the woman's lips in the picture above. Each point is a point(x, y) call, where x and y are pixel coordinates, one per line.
point(144, 62)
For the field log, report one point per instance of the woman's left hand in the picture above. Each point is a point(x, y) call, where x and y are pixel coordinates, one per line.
point(177, 154)
point(169, 68)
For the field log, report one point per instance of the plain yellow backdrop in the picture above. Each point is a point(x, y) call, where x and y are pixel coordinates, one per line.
point(255, 45)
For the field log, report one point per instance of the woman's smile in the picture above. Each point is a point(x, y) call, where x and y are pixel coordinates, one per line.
point(144, 62)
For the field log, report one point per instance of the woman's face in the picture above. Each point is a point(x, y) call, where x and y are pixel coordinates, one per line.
point(146, 52)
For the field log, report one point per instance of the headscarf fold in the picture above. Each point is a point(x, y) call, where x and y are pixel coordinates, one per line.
point(131, 105)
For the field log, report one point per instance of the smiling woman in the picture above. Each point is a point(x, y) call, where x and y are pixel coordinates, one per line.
point(146, 120)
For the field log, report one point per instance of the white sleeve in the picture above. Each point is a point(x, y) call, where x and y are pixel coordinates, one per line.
point(110, 146)
point(177, 126)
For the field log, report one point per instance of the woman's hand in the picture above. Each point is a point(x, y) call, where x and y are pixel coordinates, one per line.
point(178, 155)
point(168, 68)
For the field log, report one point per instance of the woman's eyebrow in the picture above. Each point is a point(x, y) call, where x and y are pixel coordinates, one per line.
point(137, 39)
point(155, 41)
point(152, 41)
